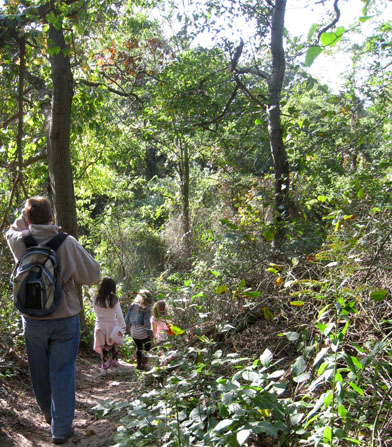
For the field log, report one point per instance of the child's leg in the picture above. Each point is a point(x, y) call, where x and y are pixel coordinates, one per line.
point(139, 352)
point(106, 357)
point(147, 345)
point(114, 354)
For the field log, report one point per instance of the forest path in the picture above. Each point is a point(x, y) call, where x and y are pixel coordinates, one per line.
point(22, 424)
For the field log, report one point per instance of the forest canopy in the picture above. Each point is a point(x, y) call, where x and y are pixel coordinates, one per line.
point(225, 176)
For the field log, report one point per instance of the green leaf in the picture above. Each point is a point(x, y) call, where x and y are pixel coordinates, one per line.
point(268, 235)
point(266, 427)
point(242, 283)
point(327, 435)
point(297, 303)
point(227, 223)
point(222, 289)
point(361, 194)
point(291, 336)
point(332, 38)
point(254, 294)
point(215, 273)
point(313, 52)
point(364, 19)
point(268, 315)
point(342, 411)
point(258, 122)
point(223, 424)
point(379, 295)
point(302, 377)
point(322, 198)
point(328, 399)
point(177, 330)
point(328, 39)
point(243, 435)
point(266, 357)
point(299, 366)
point(356, 388)
point(312, 30)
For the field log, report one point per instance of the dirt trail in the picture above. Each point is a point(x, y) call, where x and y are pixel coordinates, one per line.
point(22, 425)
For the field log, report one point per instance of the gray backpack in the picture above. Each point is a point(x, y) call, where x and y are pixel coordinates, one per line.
point(35, 279)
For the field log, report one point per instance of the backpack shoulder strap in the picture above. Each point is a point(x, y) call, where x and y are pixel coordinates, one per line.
point(56, 241)
point(28, 239)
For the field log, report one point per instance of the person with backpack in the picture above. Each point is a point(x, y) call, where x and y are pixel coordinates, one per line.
point(50, 304)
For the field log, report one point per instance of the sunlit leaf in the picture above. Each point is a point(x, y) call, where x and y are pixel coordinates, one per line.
point(327, 435)
point(312, 30)
point(266, 357)
point(268, 235)
point(364, 19)
point(313, 52)
point(243, 435)
point(297, 303)
point(176, 330)
point(222, 289)
point(223, 424)
point(356, 388)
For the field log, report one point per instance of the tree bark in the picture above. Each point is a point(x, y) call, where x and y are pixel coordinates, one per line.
point(184, 178)
point(58, 129)
point(58, 136)
point(281, 166)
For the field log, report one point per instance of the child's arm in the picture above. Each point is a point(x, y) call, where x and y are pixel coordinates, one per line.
point(128, 319)
point(147, 322)
point(120, 317)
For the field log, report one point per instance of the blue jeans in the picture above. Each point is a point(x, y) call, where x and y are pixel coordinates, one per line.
point(52, 347)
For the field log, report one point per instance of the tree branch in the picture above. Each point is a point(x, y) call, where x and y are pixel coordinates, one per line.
point(223, 113)
point(109, 89)
point(249, 93)
point(334, 22)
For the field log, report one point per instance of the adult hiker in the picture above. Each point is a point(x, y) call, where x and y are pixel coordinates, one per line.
point(52, 341)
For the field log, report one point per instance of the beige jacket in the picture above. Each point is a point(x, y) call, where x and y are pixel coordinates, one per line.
point(77, 266)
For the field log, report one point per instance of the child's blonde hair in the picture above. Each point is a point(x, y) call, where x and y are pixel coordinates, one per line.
point(143, 298)
point(159, 309)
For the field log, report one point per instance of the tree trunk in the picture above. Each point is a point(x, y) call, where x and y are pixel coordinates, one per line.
point(281, 166)
point(184, 178)
point(58, 135)
point(58, 124)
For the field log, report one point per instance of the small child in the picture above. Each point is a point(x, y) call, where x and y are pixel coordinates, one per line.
point(160, 326)
point(109, 325)
point(138, 323)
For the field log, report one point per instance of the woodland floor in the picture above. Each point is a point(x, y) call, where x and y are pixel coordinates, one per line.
point(22, 425)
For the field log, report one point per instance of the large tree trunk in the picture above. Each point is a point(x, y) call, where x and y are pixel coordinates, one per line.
point(58, 124)
point(58, 135)
point(281, 166)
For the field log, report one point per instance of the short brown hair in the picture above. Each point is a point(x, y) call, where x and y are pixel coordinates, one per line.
point(38, 210)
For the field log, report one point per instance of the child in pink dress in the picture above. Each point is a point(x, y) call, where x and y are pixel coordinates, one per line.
point(159, 323)
point(109, 325)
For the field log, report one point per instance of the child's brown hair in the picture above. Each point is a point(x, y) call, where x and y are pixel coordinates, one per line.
point(143, 298)
point(159, 309)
